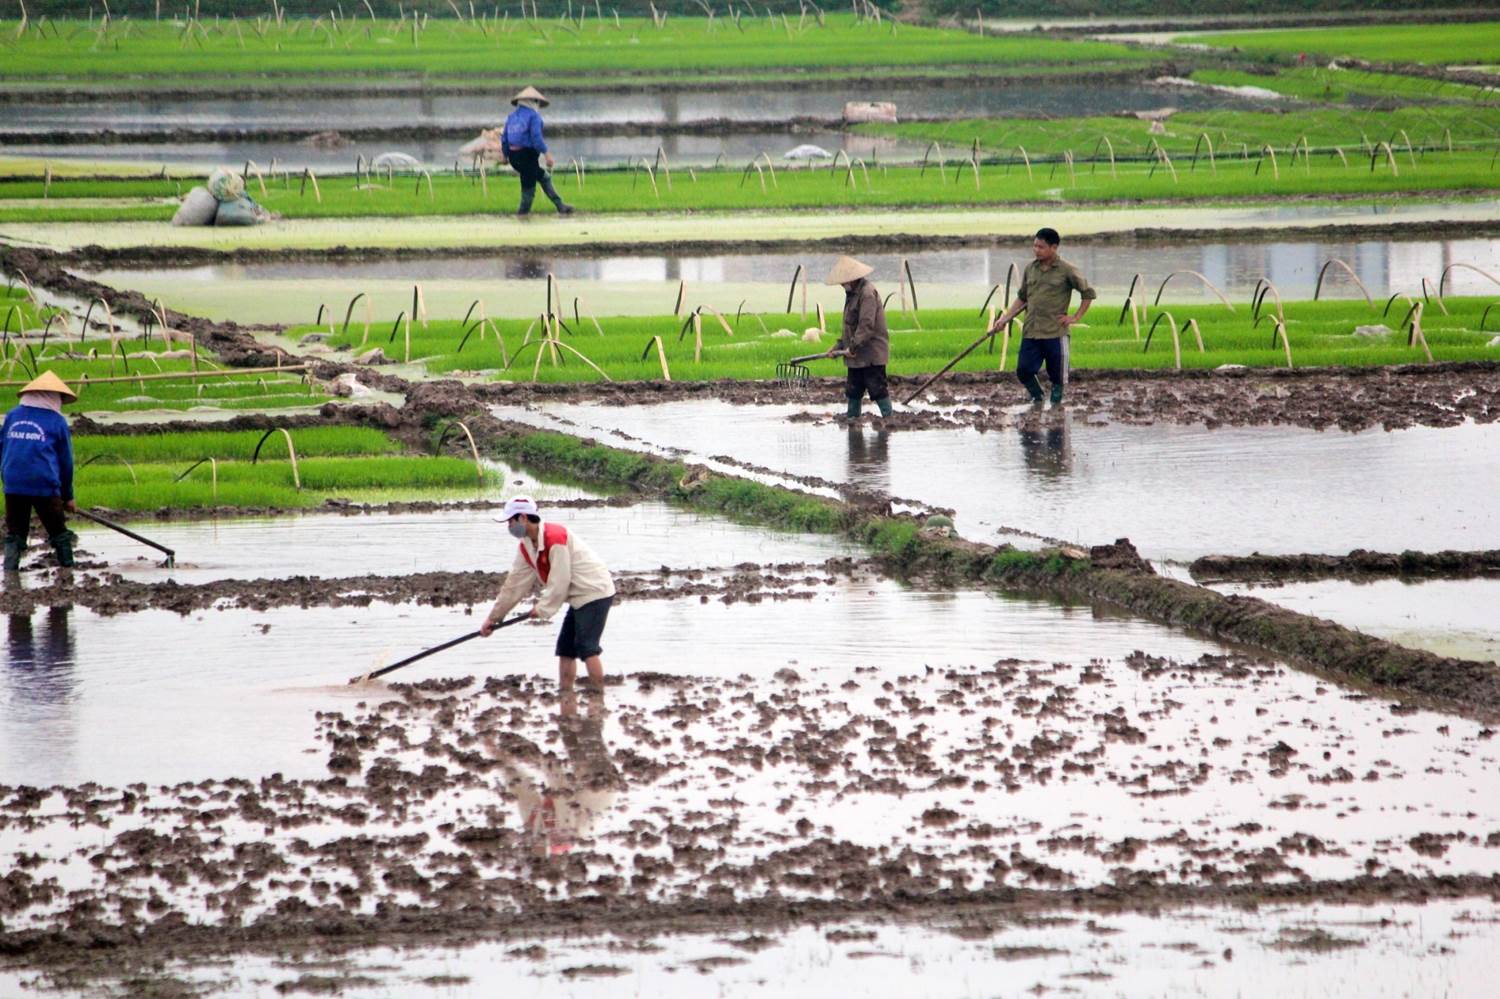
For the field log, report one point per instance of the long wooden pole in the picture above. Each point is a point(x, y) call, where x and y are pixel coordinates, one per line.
point(947, 367)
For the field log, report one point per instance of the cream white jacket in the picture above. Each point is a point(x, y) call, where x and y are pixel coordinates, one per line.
point(576, 577)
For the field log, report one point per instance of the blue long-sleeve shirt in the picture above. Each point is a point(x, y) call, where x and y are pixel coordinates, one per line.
point(523, 130)
point(36, 453)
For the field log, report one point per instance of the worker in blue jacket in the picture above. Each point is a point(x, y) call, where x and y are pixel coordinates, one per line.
point(36, 464)
point(523, 147)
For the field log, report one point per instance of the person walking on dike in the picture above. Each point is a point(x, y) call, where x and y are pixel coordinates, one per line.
point(523, 147)
point(1046, 291)
point(865, 343)
point(36, 464)
point(554, 560)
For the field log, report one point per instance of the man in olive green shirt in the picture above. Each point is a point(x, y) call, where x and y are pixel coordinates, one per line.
point(1046, 291)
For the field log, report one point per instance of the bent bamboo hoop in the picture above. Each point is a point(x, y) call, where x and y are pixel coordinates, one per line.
point(1443, 278)
point(1209, 284)
point(290, 450)
point(1428, 284)
point(473, 448)
point(1176, 340)
point(1318, 288)
point(213, 466)
point(661, 355)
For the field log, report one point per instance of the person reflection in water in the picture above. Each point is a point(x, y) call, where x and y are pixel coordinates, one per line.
point(560, 801)
point(1047, 450)
point(870, 459)
point(40, 672)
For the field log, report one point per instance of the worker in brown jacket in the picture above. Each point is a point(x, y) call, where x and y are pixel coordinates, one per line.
point(865, 344)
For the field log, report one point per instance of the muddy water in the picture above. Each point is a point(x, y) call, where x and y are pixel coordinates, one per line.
point(157, 697)
point(1396, 950)
point(1177, 491)
point(641, 537)
point(1447, 616)
point(647, 284)
point(970, 99)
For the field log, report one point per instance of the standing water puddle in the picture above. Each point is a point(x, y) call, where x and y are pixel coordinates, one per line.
point(1176, 491)
point(1452, 617)
point(640, 537)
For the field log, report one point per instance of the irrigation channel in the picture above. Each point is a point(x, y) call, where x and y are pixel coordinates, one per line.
point(285, 291)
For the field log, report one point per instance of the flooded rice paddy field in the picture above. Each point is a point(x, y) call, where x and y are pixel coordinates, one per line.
point(639, 537)
point(838, 777)
point(1178, 492)
point(746, 103)
point(1432, 949)
point(1452, 617)
point(282, 291)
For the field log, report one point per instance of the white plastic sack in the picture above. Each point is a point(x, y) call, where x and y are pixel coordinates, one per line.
point(198, 208)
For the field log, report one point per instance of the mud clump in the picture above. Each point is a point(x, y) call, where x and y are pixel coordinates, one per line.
point(1122, 555)
point(1356, 564)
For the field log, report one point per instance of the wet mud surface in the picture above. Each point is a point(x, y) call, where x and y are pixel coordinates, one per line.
point(1356, 564)
point(453, 810)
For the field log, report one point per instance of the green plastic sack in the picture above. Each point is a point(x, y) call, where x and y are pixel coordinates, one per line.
point(241, 211)
point(226, 185)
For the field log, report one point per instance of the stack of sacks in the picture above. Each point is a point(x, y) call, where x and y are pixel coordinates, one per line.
point(222, 201)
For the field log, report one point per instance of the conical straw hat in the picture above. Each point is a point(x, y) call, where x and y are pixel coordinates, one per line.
point(49, 382)
point(530, 93)
point(847, 269)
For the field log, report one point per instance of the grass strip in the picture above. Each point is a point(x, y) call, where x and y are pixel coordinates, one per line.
point(945, 181)
point(85, 50)
point(1314, 83)
point(1439, 44)
point(1318, 334)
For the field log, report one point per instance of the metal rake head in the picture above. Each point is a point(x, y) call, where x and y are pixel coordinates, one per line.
point(792, 375)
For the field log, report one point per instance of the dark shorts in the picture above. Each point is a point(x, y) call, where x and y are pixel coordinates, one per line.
point(868, 379)
point(582, 628)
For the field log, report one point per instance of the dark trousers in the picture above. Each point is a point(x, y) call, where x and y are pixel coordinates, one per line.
point(868, 379)
point(527, 163)
point(18, 515)
point(1035, 353)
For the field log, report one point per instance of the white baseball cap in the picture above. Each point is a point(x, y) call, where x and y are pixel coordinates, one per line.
point(515, 505)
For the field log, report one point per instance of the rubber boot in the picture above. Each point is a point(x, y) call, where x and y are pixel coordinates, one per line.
point(1033, 388)
point(854, 406)
point(14, 546)
point(528, 194)
point(62, 543)
point(885, 406)
point(563, 208)
point(1057, 394)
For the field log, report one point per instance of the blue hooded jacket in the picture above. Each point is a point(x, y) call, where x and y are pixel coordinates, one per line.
point(523, 130)
point(36, 453)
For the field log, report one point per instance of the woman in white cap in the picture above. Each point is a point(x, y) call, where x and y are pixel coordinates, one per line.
point(522, 145)
point(36, 463)
point(552, 559)
point(866, 343)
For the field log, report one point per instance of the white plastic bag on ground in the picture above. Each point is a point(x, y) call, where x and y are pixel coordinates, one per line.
point(225, 184)
point(198, 208)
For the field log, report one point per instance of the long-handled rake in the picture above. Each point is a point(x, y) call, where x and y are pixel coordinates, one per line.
point(795, 373)
point(434, 650)
point(171, 555)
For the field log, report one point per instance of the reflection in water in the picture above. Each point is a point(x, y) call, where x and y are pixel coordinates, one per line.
point(870, 458)
point(40, 682)
point(1046, 449)
point(40, 671)
point(561, 800)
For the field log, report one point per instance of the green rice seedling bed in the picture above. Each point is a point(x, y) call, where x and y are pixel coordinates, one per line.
point(534, 49)
point(83, 361)
point(1234, 134)
point(1316, 83)
point(235, 445)
point(1319, 333)
point(152, 485)
point(1476, 43)
point(1001, 180)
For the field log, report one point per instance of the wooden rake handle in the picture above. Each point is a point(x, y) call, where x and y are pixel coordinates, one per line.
point(435, 650)
point(946, 368)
